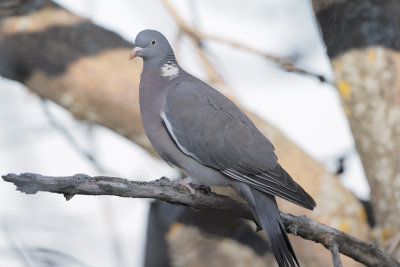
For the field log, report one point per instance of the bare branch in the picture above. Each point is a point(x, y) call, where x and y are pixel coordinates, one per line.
point(197, 36)
point(162, 189)
point(336, 241)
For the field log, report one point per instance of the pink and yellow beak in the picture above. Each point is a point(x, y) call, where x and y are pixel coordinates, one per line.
point(135, 52)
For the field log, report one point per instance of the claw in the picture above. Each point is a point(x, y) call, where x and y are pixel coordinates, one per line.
point(204, 188)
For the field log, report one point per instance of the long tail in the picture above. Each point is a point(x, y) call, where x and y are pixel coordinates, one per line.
point(265, 209)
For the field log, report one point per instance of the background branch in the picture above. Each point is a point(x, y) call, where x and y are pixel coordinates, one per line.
point(162, 189)
point(197, 37)
point(70, 138)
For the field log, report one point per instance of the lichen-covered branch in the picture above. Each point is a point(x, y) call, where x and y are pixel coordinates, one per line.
point(163, 189)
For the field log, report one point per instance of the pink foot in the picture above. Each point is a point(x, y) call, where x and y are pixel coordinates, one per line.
point(185, 182)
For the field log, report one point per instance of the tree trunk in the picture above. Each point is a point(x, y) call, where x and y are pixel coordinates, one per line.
point(363, 42)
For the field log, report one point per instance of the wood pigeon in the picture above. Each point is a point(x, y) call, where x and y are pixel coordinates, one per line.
point(194, 127)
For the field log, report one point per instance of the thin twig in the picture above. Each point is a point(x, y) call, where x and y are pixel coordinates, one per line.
point(70, 138)
point(335, 255)
point(197, 36)
point(394, 242)
point(165, 190)
point(212, 74)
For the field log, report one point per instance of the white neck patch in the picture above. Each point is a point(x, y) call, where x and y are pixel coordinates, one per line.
point(169, 70)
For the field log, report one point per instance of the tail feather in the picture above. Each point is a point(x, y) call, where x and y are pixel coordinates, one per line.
point(266, 211)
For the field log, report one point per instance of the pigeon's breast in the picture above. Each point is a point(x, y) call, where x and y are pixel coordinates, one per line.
point(153, 90)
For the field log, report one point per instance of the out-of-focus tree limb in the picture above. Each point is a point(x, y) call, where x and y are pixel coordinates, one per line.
point(363, 44)
point(68, 60)
point(165, 190)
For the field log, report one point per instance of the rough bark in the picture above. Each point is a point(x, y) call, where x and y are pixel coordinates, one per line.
point(163, 189)
point(363, 45)
point(85, 69)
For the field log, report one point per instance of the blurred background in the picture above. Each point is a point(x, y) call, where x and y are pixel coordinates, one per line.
point(280, 71)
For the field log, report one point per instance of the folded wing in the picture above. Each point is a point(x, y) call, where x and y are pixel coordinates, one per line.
point(210, 128)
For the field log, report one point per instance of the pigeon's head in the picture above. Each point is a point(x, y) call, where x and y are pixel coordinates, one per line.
point(151, 45)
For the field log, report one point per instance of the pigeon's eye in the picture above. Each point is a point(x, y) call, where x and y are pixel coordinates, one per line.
point(153, 42)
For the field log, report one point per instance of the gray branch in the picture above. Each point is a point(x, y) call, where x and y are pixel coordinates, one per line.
point(163, 189)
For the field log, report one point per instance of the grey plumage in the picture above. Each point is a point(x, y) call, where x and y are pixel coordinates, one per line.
point(193, 126)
